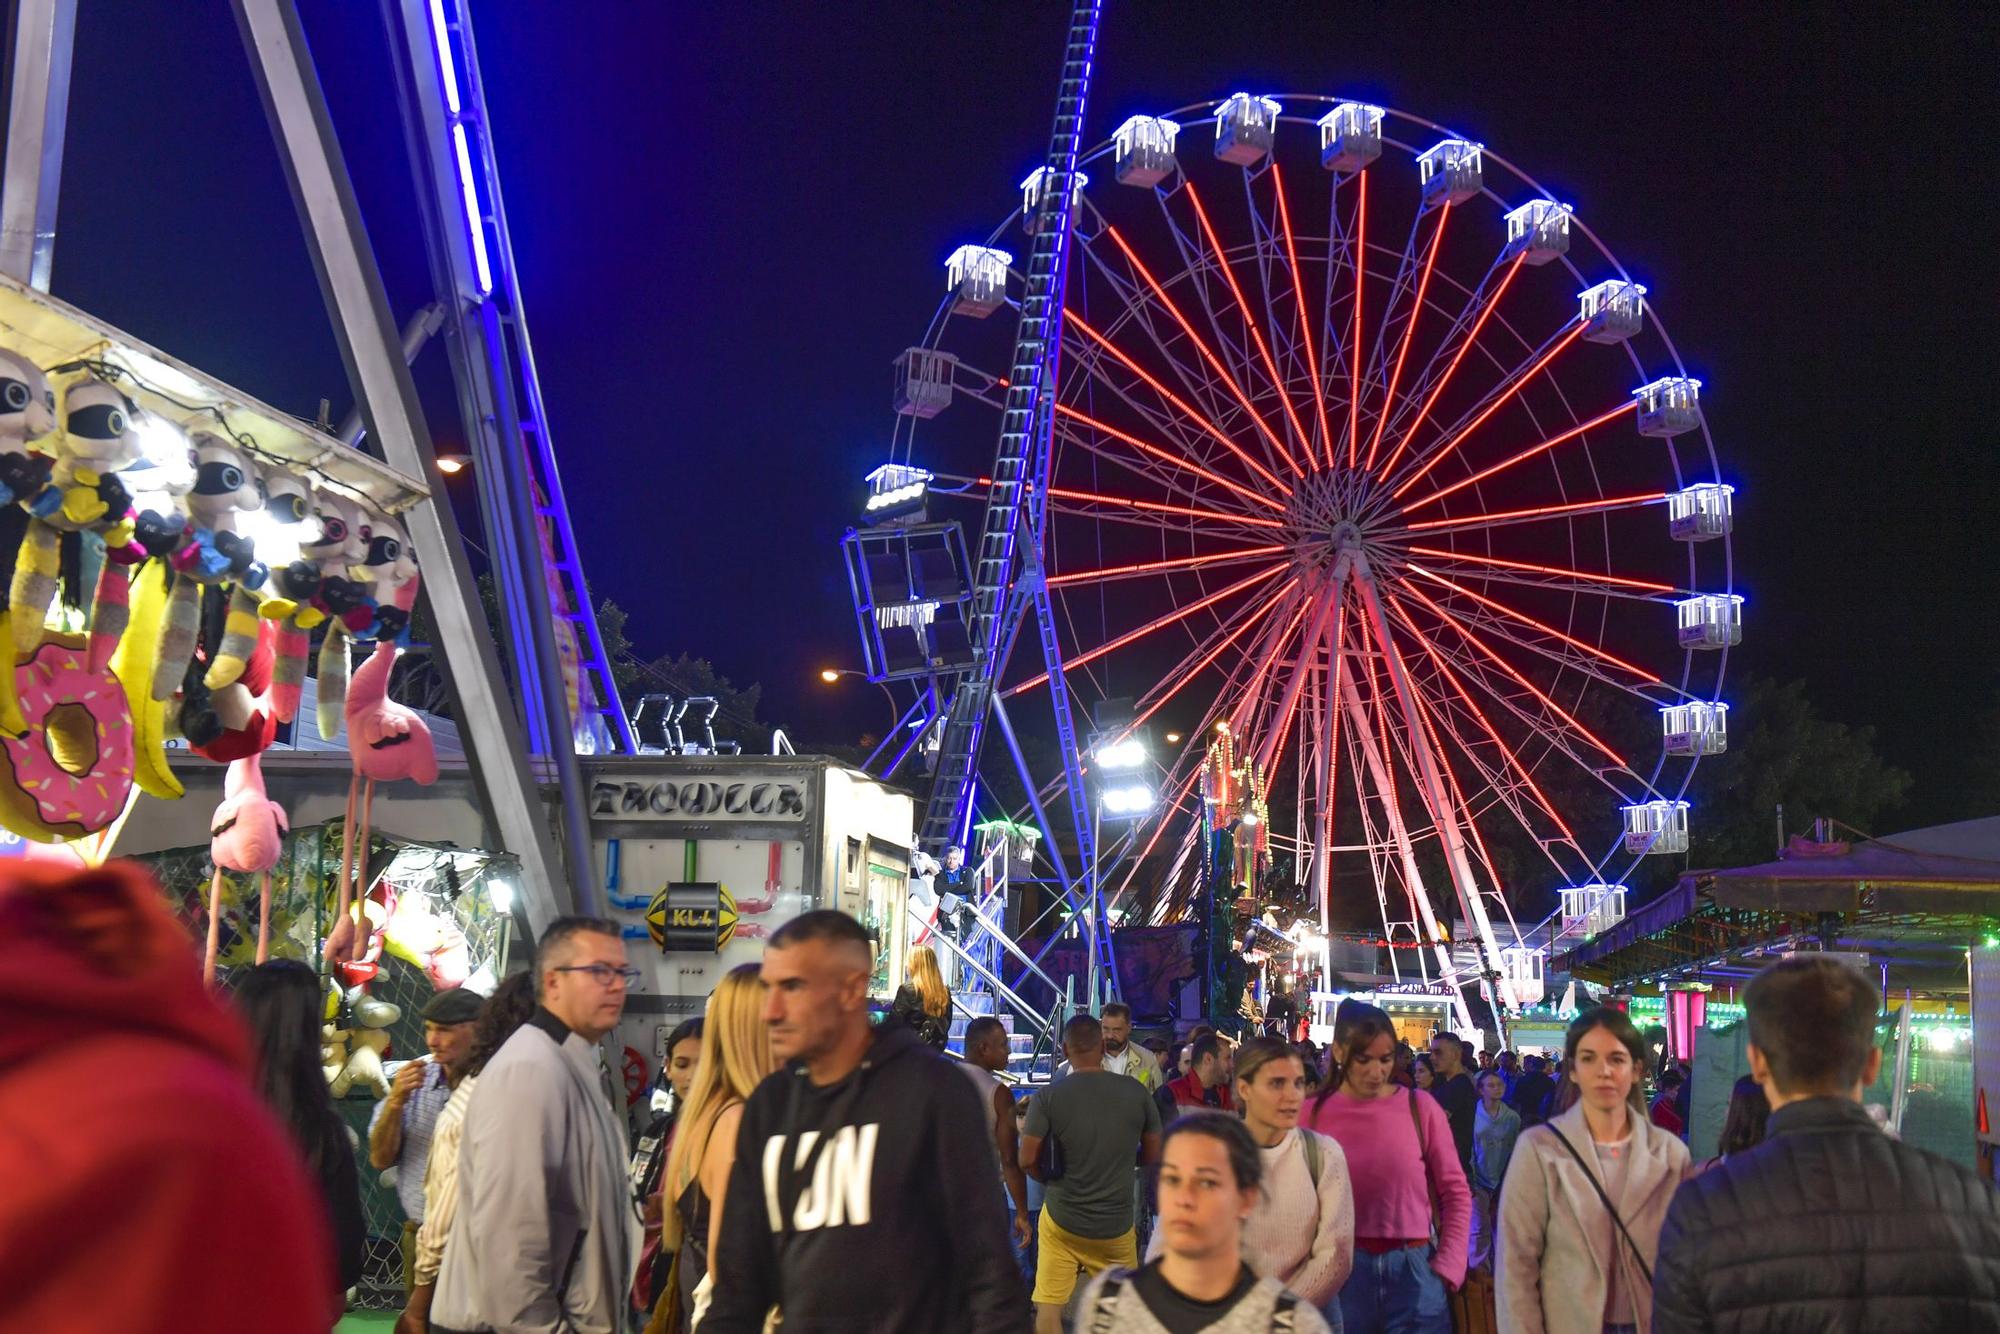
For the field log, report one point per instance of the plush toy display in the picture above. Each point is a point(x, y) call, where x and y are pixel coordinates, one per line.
point(182, 628)
point(353, 1056)
point(423, 937)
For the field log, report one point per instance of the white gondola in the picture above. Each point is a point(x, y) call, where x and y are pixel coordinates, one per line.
point(977, 277)
point(1031, 196)
point(1521, 966)
point(923, 382)
point(1450, 173)
point(1669, 407)
point(1245, 128)
point(1698, 727)
point(1142, 150)
point(1538, 232)
point(1700, 512)
point(1656, 827)
point(1710, 620)
point(1350, 136)
point(1612, 311)
point(1592, 908)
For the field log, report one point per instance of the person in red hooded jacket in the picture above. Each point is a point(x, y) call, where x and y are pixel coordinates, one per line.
point(147, 1188)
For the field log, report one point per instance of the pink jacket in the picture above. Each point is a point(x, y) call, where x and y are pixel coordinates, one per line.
point(1394, 1177)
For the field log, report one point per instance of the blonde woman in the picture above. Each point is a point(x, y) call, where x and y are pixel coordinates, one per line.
point(923, 1001)
point(735, 1057)
point(1586, 1194)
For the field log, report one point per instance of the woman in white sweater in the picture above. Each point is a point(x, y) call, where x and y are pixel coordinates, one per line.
point(1585, 1195)
point(1301, 1232)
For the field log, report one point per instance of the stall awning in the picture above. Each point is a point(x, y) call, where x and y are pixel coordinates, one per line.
point(1921, 888)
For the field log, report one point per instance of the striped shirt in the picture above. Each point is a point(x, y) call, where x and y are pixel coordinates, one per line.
point(441, 1184)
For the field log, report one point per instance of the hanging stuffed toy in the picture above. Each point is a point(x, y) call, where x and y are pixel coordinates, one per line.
point(386, 742)
point(100, 438)
point(246, 836)
point(214, 556)
point(27, 419)
point(341, 553)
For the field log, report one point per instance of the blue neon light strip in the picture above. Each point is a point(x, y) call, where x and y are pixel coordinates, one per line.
point(447, 69)
point(476, 228)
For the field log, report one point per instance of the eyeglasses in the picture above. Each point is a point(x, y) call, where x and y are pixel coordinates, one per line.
point(604, 973)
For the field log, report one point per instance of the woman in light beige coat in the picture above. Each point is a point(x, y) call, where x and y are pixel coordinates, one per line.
point(1564, 1266)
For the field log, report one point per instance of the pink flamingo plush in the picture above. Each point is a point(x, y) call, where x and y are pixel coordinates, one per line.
point(247, 836)
point(387, 742)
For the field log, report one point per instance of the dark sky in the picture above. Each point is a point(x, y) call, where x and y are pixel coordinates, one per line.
point(731, 217)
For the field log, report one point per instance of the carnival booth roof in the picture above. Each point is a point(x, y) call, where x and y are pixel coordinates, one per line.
point(1926, 887)
point(53, 333)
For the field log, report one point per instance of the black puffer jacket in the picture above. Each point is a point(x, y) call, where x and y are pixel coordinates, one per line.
point(1833, 1227)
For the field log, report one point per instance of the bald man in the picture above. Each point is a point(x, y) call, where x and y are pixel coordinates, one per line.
point(868, 1155)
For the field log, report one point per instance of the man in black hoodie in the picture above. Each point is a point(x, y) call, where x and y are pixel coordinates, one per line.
point(863, 1196)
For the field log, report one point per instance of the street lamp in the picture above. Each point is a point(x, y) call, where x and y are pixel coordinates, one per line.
point(453, 464)
point(828, 675)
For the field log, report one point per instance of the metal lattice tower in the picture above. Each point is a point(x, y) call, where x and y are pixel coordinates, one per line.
point(1007, 570)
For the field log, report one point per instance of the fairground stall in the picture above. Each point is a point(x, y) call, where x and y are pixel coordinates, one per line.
point(703, 857)
point(1919, 911)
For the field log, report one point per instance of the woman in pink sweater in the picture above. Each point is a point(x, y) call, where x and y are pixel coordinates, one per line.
point(1400, 1158)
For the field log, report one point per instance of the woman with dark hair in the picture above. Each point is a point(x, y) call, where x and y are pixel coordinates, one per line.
point(1582, 1206)
point(282, 1002)
point(1423, 1075)
point(1210, 1185)
point(1744, 1124)
point(511, 1005)
point(1302, 1230)
point(1400, 1157)
point(649, 1160)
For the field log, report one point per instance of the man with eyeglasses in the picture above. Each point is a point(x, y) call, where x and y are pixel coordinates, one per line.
point(546, 1235)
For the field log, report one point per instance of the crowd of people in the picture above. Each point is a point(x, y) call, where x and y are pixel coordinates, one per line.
point(813, 1169)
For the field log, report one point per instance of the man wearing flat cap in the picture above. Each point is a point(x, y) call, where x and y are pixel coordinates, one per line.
point(399, 1134)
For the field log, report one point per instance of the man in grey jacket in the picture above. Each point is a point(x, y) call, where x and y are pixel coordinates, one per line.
point(546, 1234)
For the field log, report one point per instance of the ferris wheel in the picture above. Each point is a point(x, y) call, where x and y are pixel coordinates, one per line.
point(1367, 450)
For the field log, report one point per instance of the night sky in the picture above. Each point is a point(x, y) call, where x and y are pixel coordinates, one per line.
point(730, 218)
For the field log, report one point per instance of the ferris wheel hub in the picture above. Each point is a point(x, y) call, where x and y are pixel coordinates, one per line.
point(1334, 512)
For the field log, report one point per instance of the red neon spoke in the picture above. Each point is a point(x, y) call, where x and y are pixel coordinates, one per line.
point(1487, 652)
point(1520, 381)
point(1154, 506)
point(1178, 460)
point(1360, 277)
point(1302, 663)
point(1076, 321)
point(1256, 335)
point(1214, 362)
point(1521, 457)
point(1539, 512)
point(1305, 321)
point(1254, 689)
point(1492, 305)
point(1264, 609)
point(1437, 658)
point(1175, 563)
point(1409, 335)
point(1543, 626)
point(1144, 630)
point(1545, 569)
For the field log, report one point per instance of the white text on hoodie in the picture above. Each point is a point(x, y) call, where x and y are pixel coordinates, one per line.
point(842, 1184)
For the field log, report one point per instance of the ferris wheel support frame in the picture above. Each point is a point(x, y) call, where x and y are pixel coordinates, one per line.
point(1008, 583)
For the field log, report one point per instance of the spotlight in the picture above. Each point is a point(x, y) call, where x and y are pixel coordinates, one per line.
point(1114, 755)
point(1133, 799)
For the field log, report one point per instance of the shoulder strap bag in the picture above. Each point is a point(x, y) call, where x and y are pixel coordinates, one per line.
point(1609, 1208)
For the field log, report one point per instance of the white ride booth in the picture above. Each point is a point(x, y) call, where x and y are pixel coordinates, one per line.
point(704, 857)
